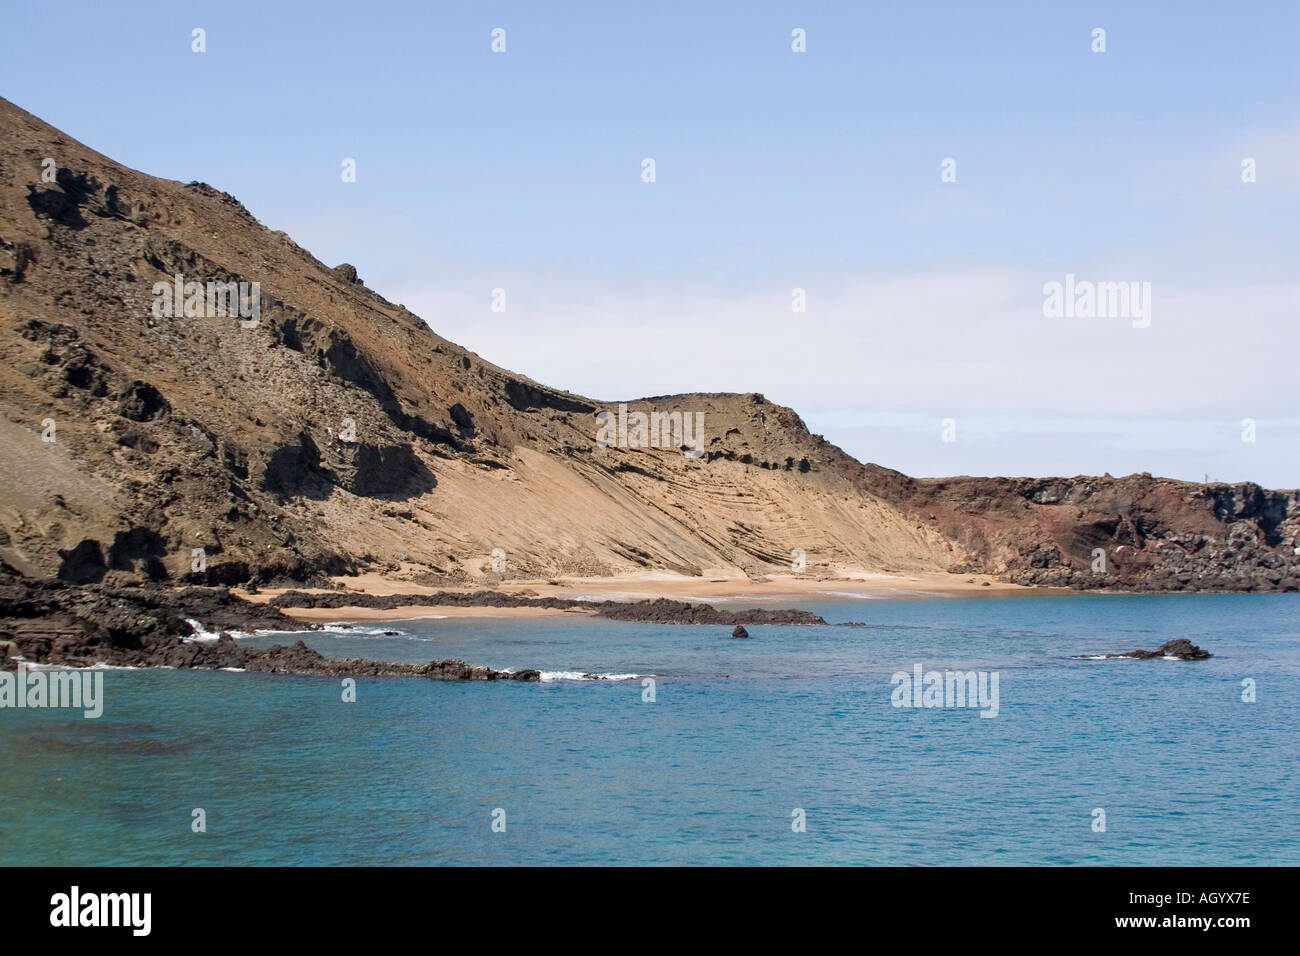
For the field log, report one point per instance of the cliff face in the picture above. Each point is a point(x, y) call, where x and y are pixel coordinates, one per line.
point(1154, 533)
point(338, 432)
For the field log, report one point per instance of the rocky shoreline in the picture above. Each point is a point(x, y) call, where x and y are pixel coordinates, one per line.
point(50, 623)
point(53, 624)
point(657, 611)
point(301, 659)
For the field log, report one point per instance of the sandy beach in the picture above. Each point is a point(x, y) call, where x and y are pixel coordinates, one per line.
point(650, 585)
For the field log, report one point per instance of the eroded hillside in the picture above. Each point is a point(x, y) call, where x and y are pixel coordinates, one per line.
point(338, 432)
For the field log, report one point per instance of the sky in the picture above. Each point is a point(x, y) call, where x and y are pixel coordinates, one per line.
point(924, 343)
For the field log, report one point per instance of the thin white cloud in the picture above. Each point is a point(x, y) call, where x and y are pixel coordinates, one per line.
point(926, 339)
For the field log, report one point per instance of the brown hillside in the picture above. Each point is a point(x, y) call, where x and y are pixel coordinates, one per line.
point(340, 433)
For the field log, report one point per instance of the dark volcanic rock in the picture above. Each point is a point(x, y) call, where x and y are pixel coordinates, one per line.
point(50, 623)
point(659, 611)
point(1181, 648)
point(1155, 534)
point(348, 273)
point(301, 659)
point(665, 611)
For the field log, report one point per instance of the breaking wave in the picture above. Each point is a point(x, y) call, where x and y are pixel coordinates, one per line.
point(579, 675)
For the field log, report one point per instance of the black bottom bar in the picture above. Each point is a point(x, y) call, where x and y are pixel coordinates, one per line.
point(945, 906)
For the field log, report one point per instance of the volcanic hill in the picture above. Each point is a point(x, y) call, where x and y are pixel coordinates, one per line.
point(340, 433)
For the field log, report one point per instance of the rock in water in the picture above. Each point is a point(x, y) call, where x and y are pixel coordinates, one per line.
point(1182, 649)
point(740, 631)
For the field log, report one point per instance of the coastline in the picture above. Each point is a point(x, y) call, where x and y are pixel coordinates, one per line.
point(650, 585)
point(414, 612)
point(191, 627)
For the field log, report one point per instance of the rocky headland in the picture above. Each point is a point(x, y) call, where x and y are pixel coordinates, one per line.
point(81, 626)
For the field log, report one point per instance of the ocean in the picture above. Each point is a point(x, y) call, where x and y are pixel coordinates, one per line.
point(786, 748)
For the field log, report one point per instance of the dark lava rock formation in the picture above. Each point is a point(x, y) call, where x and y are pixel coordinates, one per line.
point(301, 659)
point(1135, 533)
point(658, 611)
point(46, 623)
point(1180, 649)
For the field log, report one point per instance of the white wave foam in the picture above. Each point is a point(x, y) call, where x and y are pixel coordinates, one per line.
point(97, 666)
point(358, 630)
point(200, 634)
point(350, 630)
point(579, 675)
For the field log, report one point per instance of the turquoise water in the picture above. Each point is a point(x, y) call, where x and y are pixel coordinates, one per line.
point(740, 734)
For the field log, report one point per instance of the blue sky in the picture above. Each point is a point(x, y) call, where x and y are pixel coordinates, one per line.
point(774, 171)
